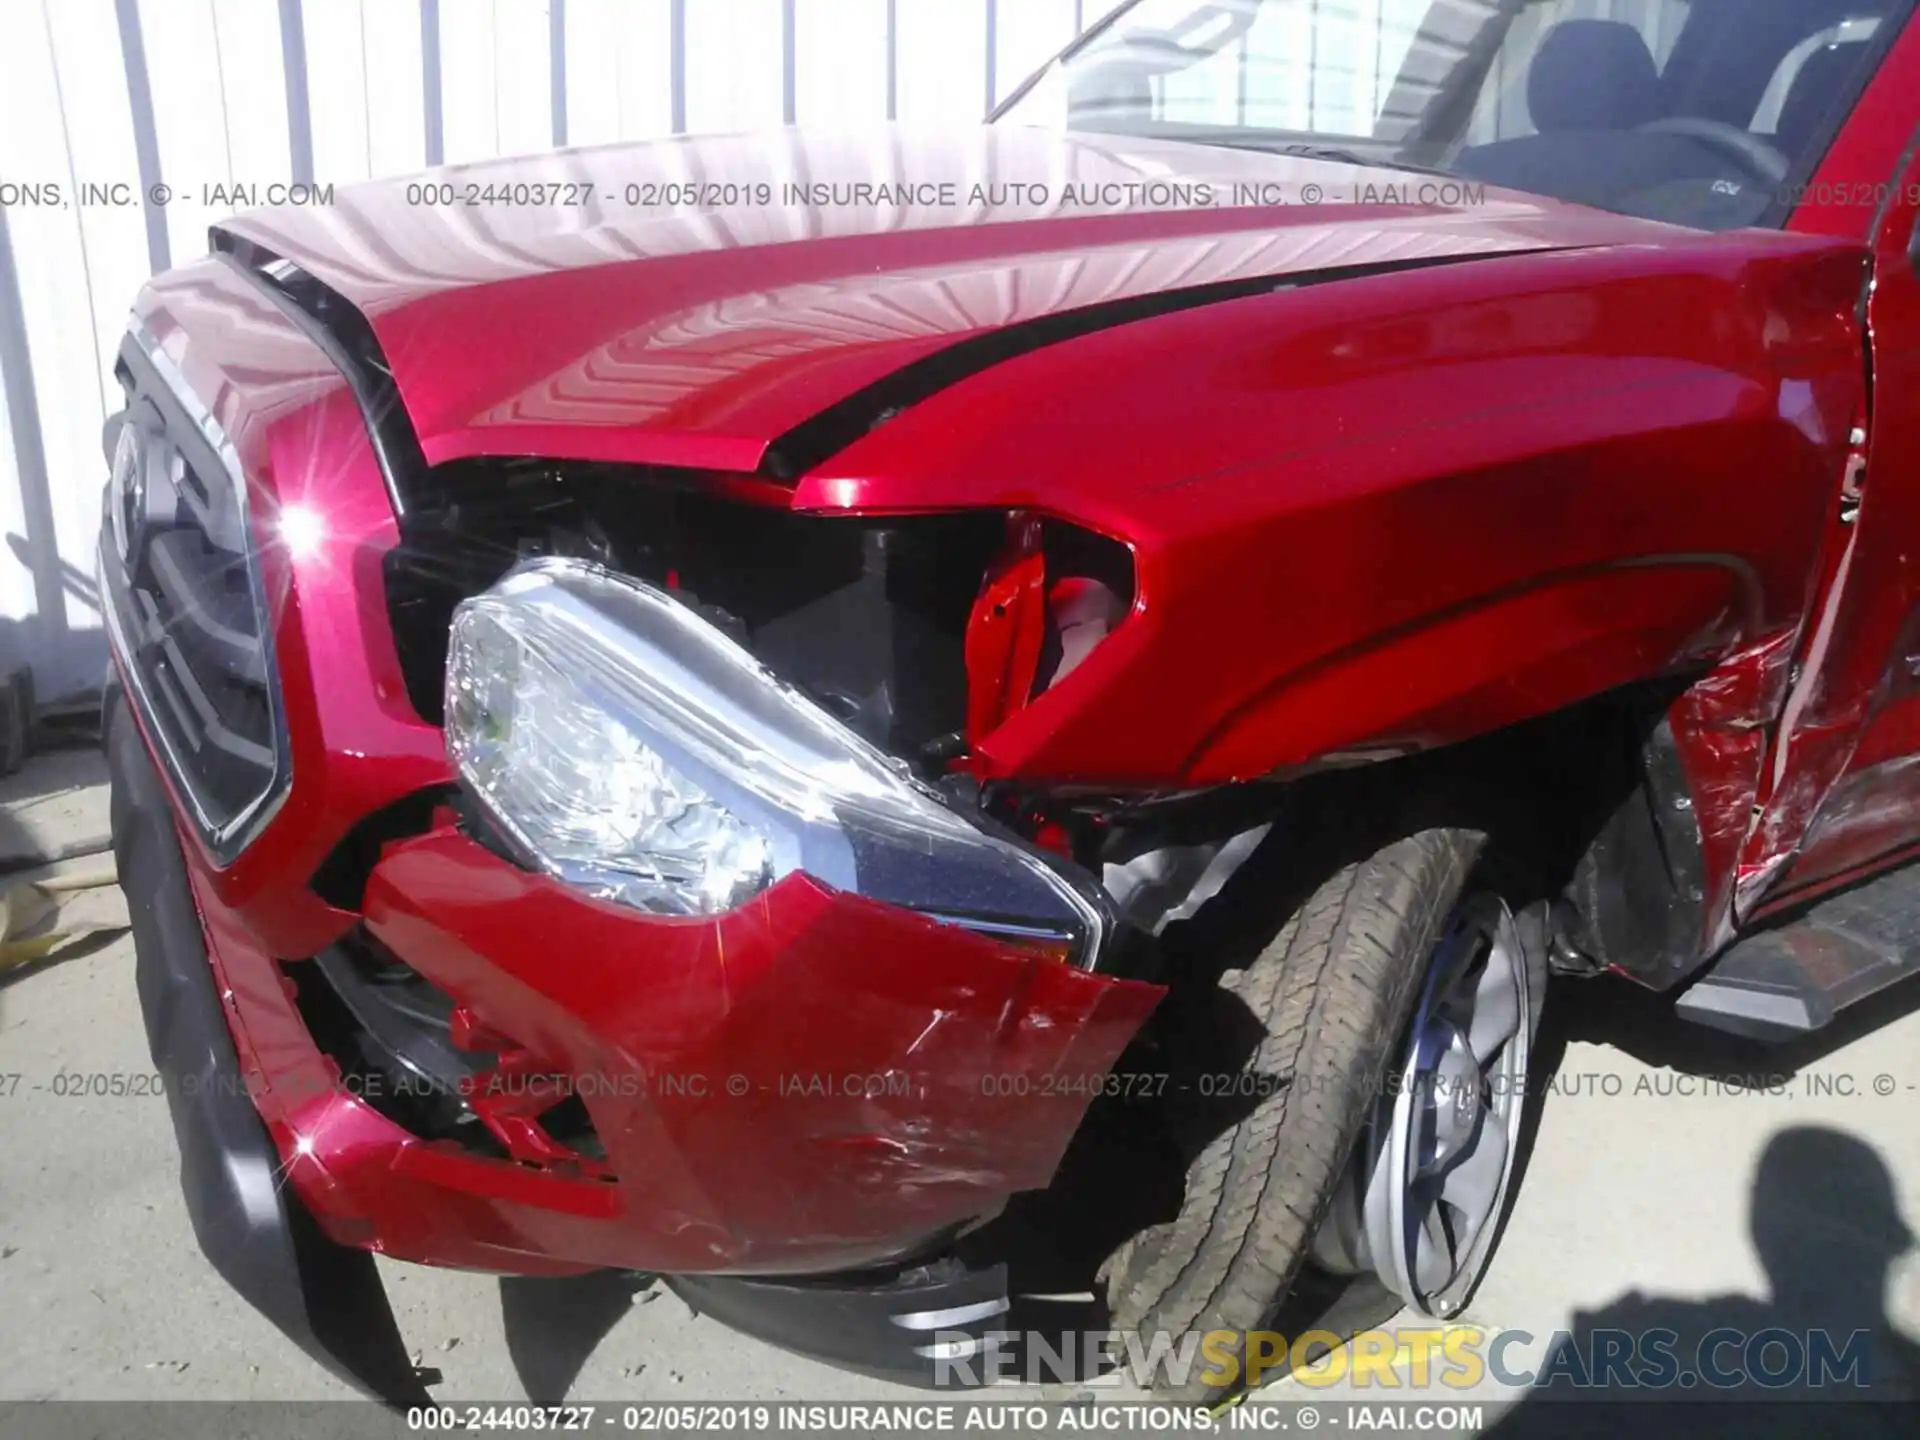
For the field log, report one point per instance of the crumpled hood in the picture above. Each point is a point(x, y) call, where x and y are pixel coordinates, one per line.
point(690, 301)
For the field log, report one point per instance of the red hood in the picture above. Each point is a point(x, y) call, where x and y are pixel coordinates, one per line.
point(675, 302)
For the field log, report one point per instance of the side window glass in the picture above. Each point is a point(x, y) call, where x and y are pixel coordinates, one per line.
point(1326, 67)
point(1829, 52)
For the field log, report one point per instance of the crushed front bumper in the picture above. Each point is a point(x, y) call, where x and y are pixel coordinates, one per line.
point(812, 1085)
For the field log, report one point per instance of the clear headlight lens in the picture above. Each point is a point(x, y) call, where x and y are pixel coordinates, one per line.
point(628, 747)
point(580, 788)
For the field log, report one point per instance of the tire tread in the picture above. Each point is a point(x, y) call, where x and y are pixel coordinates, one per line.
point(1332, 991)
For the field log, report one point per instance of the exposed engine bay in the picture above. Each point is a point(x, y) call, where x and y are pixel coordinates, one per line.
point(920, 633)
point(870, 617)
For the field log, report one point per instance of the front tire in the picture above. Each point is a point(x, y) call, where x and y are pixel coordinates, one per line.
point(1334, 993)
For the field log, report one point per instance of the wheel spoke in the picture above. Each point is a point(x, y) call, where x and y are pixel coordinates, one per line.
point(1454, 1095)
point(1433, 1250)
point(1496, 1011)
point(1472, 1186)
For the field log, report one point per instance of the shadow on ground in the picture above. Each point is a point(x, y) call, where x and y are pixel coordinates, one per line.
point(1826, 1224)
point(553, 1326)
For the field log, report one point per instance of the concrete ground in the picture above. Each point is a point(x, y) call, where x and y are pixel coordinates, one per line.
point(1644, 1202)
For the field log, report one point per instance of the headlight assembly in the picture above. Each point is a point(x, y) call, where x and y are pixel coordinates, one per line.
point(629, 748)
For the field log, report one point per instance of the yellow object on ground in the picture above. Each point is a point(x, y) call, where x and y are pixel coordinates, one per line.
point(46, 911)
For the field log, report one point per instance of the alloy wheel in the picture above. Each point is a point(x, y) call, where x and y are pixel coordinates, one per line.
point(1420, 1206)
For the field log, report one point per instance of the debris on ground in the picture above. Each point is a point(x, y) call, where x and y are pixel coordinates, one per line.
point(48, 911)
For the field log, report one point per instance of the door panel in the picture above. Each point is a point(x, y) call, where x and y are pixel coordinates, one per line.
point(1846, 782)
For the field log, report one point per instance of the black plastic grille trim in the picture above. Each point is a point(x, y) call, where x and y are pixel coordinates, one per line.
point(186, 612)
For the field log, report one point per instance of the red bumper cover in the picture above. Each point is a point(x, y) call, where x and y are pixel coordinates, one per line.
point(814, 1082)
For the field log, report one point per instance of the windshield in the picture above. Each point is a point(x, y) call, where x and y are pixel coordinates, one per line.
point(1701, 112)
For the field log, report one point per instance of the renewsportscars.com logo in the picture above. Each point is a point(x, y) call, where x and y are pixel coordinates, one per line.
point(1456, 1357)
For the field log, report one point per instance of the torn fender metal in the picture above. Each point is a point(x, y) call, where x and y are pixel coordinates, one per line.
point(1723, 727)
point(813, 1082)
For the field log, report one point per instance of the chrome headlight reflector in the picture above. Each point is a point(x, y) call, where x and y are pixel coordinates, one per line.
point(629, 748)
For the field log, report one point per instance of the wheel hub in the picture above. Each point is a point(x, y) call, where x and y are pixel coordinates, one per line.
point(1421, 1202)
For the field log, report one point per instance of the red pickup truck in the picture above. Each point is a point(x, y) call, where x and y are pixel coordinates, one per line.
point(707, 707)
